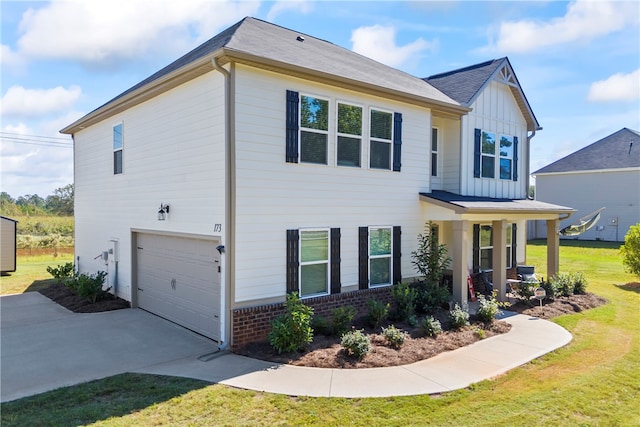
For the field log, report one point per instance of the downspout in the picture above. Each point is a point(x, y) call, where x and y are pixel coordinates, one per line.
point(230, 196)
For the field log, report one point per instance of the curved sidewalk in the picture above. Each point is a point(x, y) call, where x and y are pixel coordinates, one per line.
point(528, 339)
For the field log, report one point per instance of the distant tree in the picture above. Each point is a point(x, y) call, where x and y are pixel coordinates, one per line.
point(61, 201)
point(532, 191)
point(31, 200)
point(630, 251)
point(6, 198)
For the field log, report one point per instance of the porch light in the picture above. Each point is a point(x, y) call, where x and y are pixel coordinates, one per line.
point(163, 212)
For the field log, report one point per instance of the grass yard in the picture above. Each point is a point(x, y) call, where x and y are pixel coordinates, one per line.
point(31, 272)
point(594, 381)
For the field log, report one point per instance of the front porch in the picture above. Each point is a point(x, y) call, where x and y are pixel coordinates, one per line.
point(504, 222)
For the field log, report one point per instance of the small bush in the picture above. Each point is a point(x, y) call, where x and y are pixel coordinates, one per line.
point(377, 312)
point(341, 318)
point(356, 343)
point(480, 333)
point(394, 336)
point(488, 308)
point(431, 326)
point(630, 250)
point(405, 299)
point(61, 272)
point(87, 286)
point(579, 283)
point(458, 317)
point(563, 284)
point(291, 331)
point(431, 297)
point(321, 326)
point(549, 289)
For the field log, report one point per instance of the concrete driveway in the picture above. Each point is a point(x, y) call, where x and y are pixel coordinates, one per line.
point(44, 346)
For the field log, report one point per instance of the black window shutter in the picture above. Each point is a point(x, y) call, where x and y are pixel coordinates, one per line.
point(397, 141)
point(514, 245)
point(476, 153)
point(397, 254)
point(476, 247)
point(363, 257)
point(515, 158)
point(335, 261)
point(293, 262)
point(292, 126)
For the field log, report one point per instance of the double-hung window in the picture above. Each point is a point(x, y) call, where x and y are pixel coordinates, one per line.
point(488, 155)
point(381, 131)
point(314, 262)
point(506, 157)
point(349, 138)
point(314, 129)
point(379, 256)
point(483, 246)
point(486, 247)
point(434, 152)
point(117, 149)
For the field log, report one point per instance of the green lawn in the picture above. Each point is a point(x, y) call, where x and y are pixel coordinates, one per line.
point(594, 381)
point(31, 272)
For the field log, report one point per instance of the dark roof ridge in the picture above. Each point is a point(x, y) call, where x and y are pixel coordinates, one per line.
point(467, 68)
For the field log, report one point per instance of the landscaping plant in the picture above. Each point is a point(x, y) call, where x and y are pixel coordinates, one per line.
point(430, 259)
point(431, 326)
point(489, 307)
point(405, 298)
point(61, 272)
point(394, 336)
point(377, 312)
point(291, 331)
point(458, 317)
point(341, 318)
point(356, 343)
point(630, 250)
point(88, 286)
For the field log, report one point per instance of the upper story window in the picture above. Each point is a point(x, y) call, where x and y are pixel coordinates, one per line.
point(488, 155)
point(434, 152)
point(381, 139)
point(349, 138)
point(314, 129)
point(117, 149)
point(506, 157)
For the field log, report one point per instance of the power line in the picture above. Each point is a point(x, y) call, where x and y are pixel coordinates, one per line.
point(62, 138)
point(45, 141)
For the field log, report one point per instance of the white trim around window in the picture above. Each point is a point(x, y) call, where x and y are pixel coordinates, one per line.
point(315, 259)
point(380, 256)
point(349, 134)
point(380, 139)
point(118, 148)
point(312, 137)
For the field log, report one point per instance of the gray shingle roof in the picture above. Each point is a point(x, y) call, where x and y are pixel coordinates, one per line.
point(478, 204)
point(465, 84)
point(616, 151)
point(259, 42)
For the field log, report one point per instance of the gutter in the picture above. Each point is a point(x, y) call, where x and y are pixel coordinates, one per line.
point(230, 197)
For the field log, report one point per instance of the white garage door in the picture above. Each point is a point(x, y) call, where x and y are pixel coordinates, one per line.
point(179, 279)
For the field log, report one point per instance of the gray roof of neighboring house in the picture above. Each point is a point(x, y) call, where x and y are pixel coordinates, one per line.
point(257, 42)
point(478, 204)
point(617, 151)
point(465, 84)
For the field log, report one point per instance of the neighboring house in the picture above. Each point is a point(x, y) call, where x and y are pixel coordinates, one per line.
point(266, 161)
point(8, 244)
point(603, 174)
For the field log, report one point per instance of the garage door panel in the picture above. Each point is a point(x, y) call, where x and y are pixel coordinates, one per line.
point(178, 279)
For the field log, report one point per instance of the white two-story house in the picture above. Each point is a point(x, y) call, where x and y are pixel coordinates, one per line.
point(267, 161)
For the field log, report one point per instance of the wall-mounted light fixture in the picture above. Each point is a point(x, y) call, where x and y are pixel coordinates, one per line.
point(163, 212)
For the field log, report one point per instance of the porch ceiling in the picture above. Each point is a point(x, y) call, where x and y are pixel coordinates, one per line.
point(475, 207)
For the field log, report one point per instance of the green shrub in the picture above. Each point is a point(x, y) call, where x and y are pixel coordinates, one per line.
point(405, 298)
point(291, 331)
point(479, 332)
point(431, 326)
point(61, 272)
point(377, 312)
point(549, 289)
point(458, 317)
point(88, 286)
point(630, 250)
point(488, 307)
point(321, 326)
point(356, 343)
point(394, 336)
point(563, 284)
point(579, 283)
point(341, 318)
point(431, 297)
point(430, 259)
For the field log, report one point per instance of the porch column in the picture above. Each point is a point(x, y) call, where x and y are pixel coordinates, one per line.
point(460, 261)
point(553, 247)
point(499, 229)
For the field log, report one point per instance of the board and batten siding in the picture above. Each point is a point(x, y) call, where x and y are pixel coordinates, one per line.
point(173, 154)
point(273, 195)
point(449, 147)
point(494, 110)
point(587, 191)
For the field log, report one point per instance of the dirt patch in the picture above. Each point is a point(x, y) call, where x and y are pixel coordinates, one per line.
point(560, 306)
point(326, 352)
point(62, 295)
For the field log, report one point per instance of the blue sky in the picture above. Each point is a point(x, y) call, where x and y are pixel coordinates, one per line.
point(578, 62)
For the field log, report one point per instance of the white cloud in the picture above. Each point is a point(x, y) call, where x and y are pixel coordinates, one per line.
point(9, 58)
point(105, 31)
point(618, 87)
point(379, 42)
point(279, 7)
point(18, 101)
point(583, 21)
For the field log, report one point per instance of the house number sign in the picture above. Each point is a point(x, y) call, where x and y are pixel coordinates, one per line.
point(540, 293)
point(217, 228)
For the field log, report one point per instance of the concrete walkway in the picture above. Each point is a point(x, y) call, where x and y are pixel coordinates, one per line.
point(44, 346)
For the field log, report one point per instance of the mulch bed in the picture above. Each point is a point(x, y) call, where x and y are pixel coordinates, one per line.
point(60, 294)
point(558, 307)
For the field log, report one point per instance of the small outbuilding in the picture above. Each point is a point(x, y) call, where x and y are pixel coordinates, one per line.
point(8, 244)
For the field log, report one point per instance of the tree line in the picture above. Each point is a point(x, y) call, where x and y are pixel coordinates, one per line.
point(59, 203)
